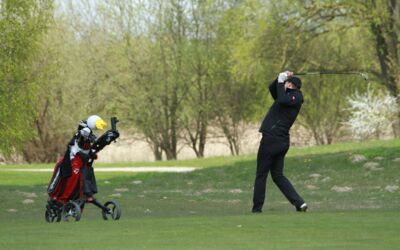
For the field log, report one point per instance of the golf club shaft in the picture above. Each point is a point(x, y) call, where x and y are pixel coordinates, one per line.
point(363, 75)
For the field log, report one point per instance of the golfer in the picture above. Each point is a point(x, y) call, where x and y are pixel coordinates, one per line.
point(275, 140)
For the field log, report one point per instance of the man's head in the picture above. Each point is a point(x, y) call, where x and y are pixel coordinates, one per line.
point(293, 83)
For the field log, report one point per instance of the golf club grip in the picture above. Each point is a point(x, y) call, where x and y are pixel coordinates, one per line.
point(114, 121)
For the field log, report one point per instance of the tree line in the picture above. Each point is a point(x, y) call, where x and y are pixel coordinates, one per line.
point(178, 72)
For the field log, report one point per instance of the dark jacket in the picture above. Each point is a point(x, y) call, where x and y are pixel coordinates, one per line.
point(283, 111)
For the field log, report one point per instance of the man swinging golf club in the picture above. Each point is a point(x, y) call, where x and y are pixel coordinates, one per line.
point(275, 140)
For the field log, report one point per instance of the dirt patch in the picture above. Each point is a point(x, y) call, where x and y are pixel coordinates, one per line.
point(27, 194)
point(312, 187)
point(391, 188)
point(137, 182)
point(344, 189)
point(121, 190)
point(373, 166)
point(315, 175)
point(326, 179)
point(116, 195)
point(28, 201)
point(236, 191)
point(357, 158)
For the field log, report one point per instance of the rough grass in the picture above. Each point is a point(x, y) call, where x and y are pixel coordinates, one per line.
point(209, 208)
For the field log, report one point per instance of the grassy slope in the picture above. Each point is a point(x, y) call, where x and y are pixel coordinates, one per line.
point(376, 147)
point(209, 207)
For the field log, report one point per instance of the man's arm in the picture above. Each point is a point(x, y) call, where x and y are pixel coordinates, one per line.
point(272, 88)
point(289, 99)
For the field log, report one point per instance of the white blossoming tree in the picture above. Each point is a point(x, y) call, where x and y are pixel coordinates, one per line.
point(372, 114)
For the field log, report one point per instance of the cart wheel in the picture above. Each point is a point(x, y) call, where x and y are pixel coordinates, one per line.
point(52, 215)
point(71, 209)
point(114, 210)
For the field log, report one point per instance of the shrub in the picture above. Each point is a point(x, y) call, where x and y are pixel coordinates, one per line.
point(372, 114)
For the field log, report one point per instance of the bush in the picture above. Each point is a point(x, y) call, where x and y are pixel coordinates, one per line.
point(372, 114)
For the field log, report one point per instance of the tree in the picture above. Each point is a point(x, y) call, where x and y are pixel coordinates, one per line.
point(199, 106)
point(303, 36)
point(382, 20)
point(22, 24)
point(153, 93)
point(63, 98)
point(380, 17)
point(239, 83)
point(323, 112)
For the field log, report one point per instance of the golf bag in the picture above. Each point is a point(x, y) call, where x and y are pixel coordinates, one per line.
point(73, 182)
point(64, 187)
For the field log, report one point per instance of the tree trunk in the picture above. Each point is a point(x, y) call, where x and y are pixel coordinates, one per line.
point(386, 48)
point(157, 153)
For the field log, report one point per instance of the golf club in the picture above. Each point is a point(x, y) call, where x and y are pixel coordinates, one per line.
point(361, 74)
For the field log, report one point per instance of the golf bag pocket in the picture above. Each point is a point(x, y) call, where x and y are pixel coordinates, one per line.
point(55, 179)
point(63, 188)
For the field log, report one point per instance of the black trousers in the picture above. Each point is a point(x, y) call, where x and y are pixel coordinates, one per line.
point(270, 158)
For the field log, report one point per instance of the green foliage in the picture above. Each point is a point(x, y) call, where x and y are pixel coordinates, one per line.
point(324, 110)
point(22, 23)
point(180, 72)
point(62, 98)
point(238, 86)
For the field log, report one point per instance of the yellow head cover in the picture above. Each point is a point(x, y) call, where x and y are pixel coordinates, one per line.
point(94, 122)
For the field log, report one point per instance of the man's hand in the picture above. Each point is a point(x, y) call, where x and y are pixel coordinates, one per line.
point(284, 76)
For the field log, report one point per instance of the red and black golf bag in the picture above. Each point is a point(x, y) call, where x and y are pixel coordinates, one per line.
point(73, 183)
point(73, 177)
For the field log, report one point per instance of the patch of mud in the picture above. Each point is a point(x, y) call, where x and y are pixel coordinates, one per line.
point(315, 175)
point(372, 166)
point(121, 190)
point(344, 189)
point(137, 182)
point(312, 187)
point(208, 190)
point(28, 201)
point(326, 179)
point(27, 194)
point(236, 191)
point(391, 188)
point(357, 158)
point(234, 201)
point(116, 195)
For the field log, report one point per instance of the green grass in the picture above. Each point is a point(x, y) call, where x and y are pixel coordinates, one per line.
point(209, 208)
point(351, 230)
point(376, 146)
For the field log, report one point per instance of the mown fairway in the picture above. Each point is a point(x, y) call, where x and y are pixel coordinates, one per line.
point(352, 206)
